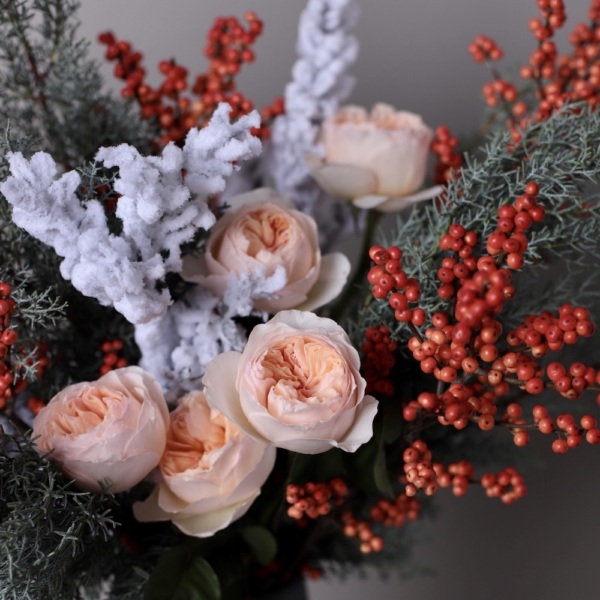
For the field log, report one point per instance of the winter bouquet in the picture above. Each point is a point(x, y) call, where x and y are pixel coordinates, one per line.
point(200, 396)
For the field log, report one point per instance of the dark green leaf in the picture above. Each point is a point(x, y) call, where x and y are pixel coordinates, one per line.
point(367, 466)
point(262, 543)
point(180, 576)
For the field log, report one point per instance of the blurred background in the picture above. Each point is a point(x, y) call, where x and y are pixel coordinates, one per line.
point(414, 56)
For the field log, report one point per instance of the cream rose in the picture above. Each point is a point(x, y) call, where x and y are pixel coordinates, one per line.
point(211, 471)
point(263, 232)
point(377, 161)
point(296, 385)
point(109, 431)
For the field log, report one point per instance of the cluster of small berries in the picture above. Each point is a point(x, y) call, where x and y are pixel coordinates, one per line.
point(378, 360)
point(388, 276)
point(449, 161)
point(8, 336)
point(363, 530)
point(111, 358)
point(228, 48)
point(507, 485)
point(314, 500)
point(569, 433)
point(395, 514)
point(560, 78)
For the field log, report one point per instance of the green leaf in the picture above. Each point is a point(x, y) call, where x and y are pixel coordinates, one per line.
point(367, 467)
point(262, 543)
point(180, 576)
point(393, 420)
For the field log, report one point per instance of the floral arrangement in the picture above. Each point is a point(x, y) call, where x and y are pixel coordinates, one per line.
point(200, 396)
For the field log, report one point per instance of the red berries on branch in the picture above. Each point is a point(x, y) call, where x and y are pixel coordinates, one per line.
point(229, 46)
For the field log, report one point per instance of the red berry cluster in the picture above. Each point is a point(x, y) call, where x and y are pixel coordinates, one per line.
point(559, 78)
point(110, 356)
point(508, 241)
point(361, 529)
point(568, 434)
point(388, 276)
point(378, 350)
point(396, 513)
point(420, 473)
point(8, 336)
point(449, 160)
point(314, 500)
point(507, 485)
point(483, 48)
point(228, 48)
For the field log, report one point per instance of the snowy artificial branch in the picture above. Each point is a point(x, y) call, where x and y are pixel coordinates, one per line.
point(162, 205)
point(320, 82)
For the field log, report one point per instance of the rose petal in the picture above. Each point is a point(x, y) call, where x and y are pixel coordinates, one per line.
point(396, 204)
point(207, 524)
point(345, 181)
point(122, 474)
point(335, 269)
point(362, 430)
point(219, 383)
point(370, 201)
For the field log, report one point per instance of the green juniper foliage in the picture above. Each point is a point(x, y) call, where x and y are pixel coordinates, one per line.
point(47, 528)
point(52, 91)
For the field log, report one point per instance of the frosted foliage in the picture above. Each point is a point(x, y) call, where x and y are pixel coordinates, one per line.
point(177, 347)
point(319, 83)
point(244, 289)
point(160, 209)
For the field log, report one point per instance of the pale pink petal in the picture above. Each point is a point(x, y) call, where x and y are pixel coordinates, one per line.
point(335, 269)
point(208, 524)
point(345, 181)
point(122, 474)
point(362, 430)
point(396, 204)
point(221, 393)
point(370, 201)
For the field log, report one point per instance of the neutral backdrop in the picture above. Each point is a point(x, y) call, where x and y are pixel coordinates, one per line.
point(413, 55)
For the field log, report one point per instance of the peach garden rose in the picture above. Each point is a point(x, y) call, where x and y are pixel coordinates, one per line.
point(110, 431)
point(263, 231)
point(296, 385)
point(376, 160)
point(211, 471)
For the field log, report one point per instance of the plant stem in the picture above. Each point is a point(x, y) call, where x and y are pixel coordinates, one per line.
point(361, 269)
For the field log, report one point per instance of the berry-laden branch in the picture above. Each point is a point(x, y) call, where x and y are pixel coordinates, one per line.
point(464, 347)
point(229, 47)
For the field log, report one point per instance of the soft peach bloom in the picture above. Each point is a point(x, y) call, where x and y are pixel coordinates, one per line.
point(296, 385)
point(111, 431)
point(263, 232)
point(211, 471)
point(377, 161)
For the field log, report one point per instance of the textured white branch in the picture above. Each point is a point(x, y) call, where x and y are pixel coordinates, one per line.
point(326, 51)
point(162, 205)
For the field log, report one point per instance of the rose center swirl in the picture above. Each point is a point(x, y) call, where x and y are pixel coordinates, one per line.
point(266, 230)
point(305, 370)
point(84, 412)
point(185, 450)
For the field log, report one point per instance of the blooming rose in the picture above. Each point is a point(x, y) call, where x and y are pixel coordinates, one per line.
point(109, 431)
point(212, 471)
point(262, 232)
point(297, 385)
point(377, 161)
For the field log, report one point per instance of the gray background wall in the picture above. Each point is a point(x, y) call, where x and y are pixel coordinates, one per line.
point(413, 55)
